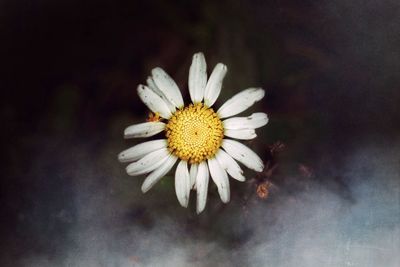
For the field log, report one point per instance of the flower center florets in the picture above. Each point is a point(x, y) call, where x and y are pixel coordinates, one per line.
point(194, 133)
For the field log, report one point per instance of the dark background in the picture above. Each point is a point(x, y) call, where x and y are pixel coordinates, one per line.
point(69, 71)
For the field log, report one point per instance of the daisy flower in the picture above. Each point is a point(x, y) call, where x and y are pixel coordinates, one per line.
point(194, 135)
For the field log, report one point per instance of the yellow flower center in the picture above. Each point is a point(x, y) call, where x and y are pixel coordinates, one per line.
point(194, 133)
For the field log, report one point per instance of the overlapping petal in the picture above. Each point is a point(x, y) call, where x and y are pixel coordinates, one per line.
point(153, 101)
point(220, 178)
point(148, 163)
point(230, 165)
point(158, 173)
point(167, 86)
point(243, 154)
point(141, 150)
point(152, 85)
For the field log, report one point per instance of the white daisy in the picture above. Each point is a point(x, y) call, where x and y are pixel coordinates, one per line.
point(194, 134)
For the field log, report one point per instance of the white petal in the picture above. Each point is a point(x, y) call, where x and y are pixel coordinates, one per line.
point(193, 174)
point(230, 165)
point(140, 150)
point(153, 101)
point(167, 86)
point(214, 84)
point(240, 102)
point(242, 134)
point(202, 178)
point(152, 85)
point(256, 120)
point(220, 178)
point(159, 173)
point(197, 77)
point(182, 183)
point(145, 129)
point(243, 154)
point(149, 168)
point(148, 163)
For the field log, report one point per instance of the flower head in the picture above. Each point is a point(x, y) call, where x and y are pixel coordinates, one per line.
point(194, 134)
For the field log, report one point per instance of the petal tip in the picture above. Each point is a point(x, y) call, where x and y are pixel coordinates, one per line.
point(144, 188)
point(140, 87)
point(262, 92)
point(127, 169)
point(155, 70)
point(260, 168)
point(121, 157)
point(222, 66)
point(198, 54)
point(199, 210)
point(226, 200)
point(184, 204)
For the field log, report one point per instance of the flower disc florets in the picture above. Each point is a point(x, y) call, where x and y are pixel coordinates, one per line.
point(194, 133)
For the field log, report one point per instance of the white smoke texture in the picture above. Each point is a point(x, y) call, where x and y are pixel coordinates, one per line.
point(315, 227)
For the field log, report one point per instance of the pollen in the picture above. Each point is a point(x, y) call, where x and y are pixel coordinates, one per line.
point(194, 133)
point(153, 117)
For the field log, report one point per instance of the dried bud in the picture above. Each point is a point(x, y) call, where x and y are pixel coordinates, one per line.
point(263, 189)
point(153, 117)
